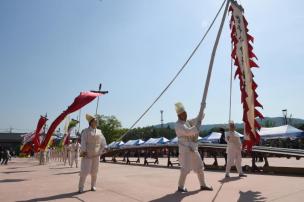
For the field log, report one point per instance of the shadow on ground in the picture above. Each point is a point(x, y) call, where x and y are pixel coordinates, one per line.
point(56, 197)
point(176, 196)
point(20, 171)
point(12, 180)
point(69, 173)
point(254, 196)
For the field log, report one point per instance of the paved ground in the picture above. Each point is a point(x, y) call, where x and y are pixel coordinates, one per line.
point(24, 180)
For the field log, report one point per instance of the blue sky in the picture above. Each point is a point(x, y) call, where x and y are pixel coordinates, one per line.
point(52, 50)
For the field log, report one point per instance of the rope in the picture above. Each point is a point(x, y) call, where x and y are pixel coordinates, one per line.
point(231, 67)
point(178, 73)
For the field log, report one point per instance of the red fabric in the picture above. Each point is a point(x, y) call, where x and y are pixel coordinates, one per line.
point(26, 149)
point(250, 130)
point(83, 99)
point(36, 140)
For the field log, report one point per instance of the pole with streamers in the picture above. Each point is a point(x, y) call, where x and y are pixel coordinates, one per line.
point(99, 91)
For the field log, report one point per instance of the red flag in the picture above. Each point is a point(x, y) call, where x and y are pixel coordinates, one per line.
point(243, 55)
point(83, 99)
point(36, 140)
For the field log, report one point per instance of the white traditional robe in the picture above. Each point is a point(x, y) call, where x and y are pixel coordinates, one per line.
point(93, 143)
point(234, 151)
point(189, 157)
point(75, 150)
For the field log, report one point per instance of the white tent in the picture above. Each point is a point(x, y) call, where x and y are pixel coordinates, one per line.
point(174, 140)
point(280, 132)
point(215, 137)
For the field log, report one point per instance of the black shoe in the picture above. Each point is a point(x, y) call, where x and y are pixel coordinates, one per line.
point(182, 190)
point(242, 175)
point(206, 188)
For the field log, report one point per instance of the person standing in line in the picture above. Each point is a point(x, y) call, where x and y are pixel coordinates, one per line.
point(75, 150)
point(234, 151)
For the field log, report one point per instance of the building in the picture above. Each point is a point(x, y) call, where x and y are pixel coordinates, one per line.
point(11, 141)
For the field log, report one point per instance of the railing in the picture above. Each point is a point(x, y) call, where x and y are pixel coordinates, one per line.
point(214, 150)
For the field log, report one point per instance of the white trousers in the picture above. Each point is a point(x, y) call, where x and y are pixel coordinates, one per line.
point(74, 157)
point(234, 157)
point(183, 175)
point(89, 166)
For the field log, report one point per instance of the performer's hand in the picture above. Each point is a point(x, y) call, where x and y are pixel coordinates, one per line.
point(83, 154)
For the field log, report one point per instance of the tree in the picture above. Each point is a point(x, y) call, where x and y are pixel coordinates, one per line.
point(110, 127)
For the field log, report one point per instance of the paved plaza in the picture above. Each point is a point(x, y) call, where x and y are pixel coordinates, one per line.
point(24, 180)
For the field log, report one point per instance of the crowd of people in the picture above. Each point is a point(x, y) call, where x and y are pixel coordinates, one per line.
point(69, 153)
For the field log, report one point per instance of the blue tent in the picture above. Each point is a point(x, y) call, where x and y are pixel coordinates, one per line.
point(133, 143)
point(156, 141)
point(115, 144)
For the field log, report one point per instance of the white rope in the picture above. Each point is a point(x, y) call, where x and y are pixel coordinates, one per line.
point(178, 73)
point(230, 93)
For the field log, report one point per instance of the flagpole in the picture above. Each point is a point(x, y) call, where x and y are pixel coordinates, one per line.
point(102, 92)
point(99, 89)
point(79, 120)
point(203, 103)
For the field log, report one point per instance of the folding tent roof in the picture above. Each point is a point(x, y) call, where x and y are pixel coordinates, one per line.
point(280, 132)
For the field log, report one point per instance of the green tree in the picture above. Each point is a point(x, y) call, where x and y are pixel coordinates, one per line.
point(110, 127)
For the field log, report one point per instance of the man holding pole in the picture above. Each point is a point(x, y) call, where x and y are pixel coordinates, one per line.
point(93, 143)
point(189, 157)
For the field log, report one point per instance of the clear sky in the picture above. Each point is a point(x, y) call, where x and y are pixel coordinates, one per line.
point(52, 50)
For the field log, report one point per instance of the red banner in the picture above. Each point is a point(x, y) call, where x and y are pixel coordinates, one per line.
point(36, 140)
point(243, 57)
point(83, 99)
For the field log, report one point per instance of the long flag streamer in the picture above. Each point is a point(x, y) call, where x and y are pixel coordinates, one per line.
point(83, 99)
point(66, 138)
point(243, 56)
point(36, 139)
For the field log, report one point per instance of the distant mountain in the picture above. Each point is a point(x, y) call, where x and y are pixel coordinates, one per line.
point(267, 122)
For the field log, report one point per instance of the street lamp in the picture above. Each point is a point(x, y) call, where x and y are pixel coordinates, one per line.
point(284, 111)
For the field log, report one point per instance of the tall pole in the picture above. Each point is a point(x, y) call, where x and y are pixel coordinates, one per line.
point(79, 121)
point(98, 99)
point(203, 103)
point(161, 118)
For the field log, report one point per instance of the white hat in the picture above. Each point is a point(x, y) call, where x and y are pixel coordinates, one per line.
point(230, 122)
point(179, 108)
point(89, 117)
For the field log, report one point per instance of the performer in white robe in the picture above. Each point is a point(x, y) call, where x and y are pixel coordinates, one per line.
point(189, 157)
point(93, 143)
point(75, 151)
point(234, 151)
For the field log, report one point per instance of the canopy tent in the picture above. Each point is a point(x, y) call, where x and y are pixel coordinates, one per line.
point(174, 140)
point(284, 131)
point(111, 144)
point(133, 143)
point(215, 137)
point(115, 144)
point(156, 141)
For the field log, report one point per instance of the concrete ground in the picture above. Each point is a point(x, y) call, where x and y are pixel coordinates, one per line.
point(24, 180)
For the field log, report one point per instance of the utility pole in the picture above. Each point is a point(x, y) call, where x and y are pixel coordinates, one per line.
point(161, 118)
point(284, 111)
